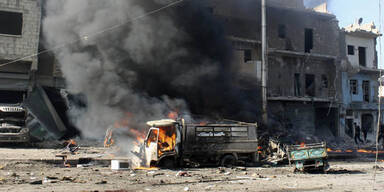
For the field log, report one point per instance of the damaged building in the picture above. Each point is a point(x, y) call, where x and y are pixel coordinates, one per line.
point(303, 61)
point(25, 78)
point(360, 79)
point(19, 36)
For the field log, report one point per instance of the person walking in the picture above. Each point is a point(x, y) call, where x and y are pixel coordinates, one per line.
point(381, 134)
point(357, 133)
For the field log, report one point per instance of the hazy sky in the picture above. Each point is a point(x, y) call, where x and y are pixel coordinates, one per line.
point(347, 11)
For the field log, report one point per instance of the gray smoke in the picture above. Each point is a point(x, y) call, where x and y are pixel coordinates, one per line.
point(96, 66)
point(174, 60)
point(314, 3)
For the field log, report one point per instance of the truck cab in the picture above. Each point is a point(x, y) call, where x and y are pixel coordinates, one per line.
point(162, 141)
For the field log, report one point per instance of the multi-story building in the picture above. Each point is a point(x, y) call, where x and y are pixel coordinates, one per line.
point(303, 60)
point(360, 78)
point(20, 66)
point(23, 71)
point(19, 38)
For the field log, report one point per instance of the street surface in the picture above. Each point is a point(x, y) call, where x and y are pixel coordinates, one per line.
point(21, 170)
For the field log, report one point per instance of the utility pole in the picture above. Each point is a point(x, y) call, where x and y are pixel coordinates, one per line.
point(264, 62)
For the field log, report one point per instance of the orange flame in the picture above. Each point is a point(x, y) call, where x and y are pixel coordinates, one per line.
point(369, 151)
point(146, 168)
point(70, 142)
point(351, 151)
point(173, 115)
point(108, 141)
point(140, 136)
point(167, 139)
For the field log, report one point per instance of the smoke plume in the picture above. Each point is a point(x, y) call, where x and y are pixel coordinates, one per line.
point(174, 60)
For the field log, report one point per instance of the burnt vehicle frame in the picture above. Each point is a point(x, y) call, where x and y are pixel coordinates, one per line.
point(219, 144)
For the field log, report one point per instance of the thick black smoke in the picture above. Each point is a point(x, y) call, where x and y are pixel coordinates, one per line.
point(175, 60)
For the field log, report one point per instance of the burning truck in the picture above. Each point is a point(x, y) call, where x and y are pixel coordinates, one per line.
point(170, 143)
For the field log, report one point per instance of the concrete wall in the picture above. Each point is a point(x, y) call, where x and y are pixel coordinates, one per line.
point(12, 46)
point(282, 71)
point(368, 43)
point(243, 19)
point(348, 97)
point(325, 31)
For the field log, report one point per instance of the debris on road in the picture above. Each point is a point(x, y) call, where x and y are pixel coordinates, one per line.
point(183, 174)
point(37, 182)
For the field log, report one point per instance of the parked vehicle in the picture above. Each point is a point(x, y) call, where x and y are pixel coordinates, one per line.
point(12, 124)
point(307, 157)
point(172, 143)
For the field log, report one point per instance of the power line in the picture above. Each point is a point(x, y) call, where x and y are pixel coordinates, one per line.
point(87, 36)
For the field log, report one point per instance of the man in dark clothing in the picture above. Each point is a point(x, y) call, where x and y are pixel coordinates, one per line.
point(357, 133)
point(381, 134)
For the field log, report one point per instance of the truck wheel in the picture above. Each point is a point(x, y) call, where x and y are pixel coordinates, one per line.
point(228, 161)
point(168, 163)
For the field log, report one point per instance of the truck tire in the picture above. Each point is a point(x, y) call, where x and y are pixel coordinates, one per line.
point(228, 161)
point(168, 163)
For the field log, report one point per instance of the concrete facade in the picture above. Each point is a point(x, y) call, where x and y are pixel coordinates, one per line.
point(16, 76)
point(302, 77)
point(22, 41)
point(360, 80)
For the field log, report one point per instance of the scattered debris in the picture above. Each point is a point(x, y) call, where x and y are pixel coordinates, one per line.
point(37, 182)
point(157, 174)
point(119, 165)
point(221, 170)
point(65, 178)
point(64, 158)
point(71, 146)
point(47, 180)
point(101, 182)
point(240, 168)
point(378, 168)
point(183, 174)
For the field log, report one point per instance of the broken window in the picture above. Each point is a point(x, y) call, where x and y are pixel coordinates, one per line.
point(203, 132)
point(366, 90)
point(11, 23)
point(324, 81)
point(362, 56)
point(308, 40)
point(247, 55)
point(297, 85)
point(310, 85)
point(351, 50)
point(353, 87)
point(282, 31)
